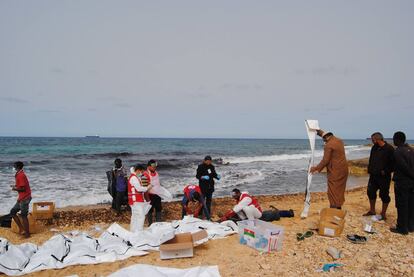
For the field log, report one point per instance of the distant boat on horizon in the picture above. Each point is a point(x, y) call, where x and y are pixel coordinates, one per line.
point(95, 136)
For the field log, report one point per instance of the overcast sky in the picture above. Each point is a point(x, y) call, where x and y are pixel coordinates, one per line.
point(206, 68)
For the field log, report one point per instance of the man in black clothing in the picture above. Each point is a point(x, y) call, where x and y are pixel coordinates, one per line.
point(121, 183)
point(403, 185)
point(380, 167)
point(206, 173)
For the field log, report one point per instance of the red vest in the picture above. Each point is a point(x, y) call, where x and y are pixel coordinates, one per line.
point(190, 188)
point(254, 201)
point(133, 194)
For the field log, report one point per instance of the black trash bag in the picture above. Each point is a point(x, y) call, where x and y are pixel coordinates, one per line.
point(111, 183)
point(5, 221)
point(270, 215)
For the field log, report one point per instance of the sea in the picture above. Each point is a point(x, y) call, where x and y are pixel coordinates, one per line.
point(72, 171)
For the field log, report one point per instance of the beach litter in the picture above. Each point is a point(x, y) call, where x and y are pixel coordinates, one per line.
point(302, 236)
point(330, 267)
point(376, 218)
point(367, 222)
point(334, 253)
point(357, 239)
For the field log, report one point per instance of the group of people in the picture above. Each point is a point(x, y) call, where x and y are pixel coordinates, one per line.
point(144, 193)
point(383, 161)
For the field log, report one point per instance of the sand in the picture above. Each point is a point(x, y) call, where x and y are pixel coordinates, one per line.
point(385, 253)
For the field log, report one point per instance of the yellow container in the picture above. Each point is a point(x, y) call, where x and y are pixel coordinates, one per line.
point(43, 210)
point(332, 222)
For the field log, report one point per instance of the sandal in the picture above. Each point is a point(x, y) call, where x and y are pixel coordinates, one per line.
point(307, 234)
point(369, 213)
point(356, 239)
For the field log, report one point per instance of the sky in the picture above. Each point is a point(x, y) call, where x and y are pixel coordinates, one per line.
point(226, 69)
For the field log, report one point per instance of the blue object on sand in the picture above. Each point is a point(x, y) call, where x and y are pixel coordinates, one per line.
point(327, 267)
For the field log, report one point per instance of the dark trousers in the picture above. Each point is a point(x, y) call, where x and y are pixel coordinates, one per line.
point(208, 196)
point(157, 206)
point(119, 199)
point(404, 201)
point(381, 183)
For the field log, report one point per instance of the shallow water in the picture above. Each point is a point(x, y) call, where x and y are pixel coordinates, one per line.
point(71, 171)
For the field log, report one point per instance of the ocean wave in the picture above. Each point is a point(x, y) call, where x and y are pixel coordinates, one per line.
point(268, 158)
point(356, 147)
point(105, 155)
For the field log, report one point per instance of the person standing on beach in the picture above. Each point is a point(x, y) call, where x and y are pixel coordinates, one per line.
point(403, 185)
point(334, 160)
point(136, 199)
point(152, 176)
point(121, 183)
point(380, 167)
point(206, 173)
point(25, 196)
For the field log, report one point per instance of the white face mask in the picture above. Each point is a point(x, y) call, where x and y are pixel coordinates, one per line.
point(139, 174)
point(14, 170)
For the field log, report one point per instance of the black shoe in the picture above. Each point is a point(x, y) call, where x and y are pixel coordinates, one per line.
point(397, 231)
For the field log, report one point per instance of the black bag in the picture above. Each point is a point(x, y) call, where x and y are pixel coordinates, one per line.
point(5, 221)
point(111, 183)
point(270, 215)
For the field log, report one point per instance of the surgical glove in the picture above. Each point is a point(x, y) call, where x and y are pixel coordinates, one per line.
point(218, 177)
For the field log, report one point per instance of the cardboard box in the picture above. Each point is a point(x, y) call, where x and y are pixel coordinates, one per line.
point(34, 228)
point(332, 222)
point(43, 210)
point(261, 235)
point(181, 246)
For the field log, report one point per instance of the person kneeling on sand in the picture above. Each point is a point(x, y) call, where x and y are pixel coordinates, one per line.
point(136, 198)
point(248, 207)
point(25, 196)
point(193, 193)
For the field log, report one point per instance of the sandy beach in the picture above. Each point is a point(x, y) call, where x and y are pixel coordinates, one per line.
point(385, 253)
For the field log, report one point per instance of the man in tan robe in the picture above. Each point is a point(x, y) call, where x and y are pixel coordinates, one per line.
point(337, 168)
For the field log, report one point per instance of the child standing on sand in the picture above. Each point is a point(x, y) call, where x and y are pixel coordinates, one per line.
point(136, 198)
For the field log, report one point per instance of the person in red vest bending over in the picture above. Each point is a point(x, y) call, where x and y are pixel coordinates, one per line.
point(247, 207)
point(193, 193)
point(136, 199)
point(25, 196)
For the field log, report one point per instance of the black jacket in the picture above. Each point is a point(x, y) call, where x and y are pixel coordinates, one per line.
point(381, 160)
point(404, 165)
point(209, 170)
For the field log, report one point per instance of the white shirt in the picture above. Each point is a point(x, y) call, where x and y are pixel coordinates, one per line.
point(246, 201)
point(137, 184)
